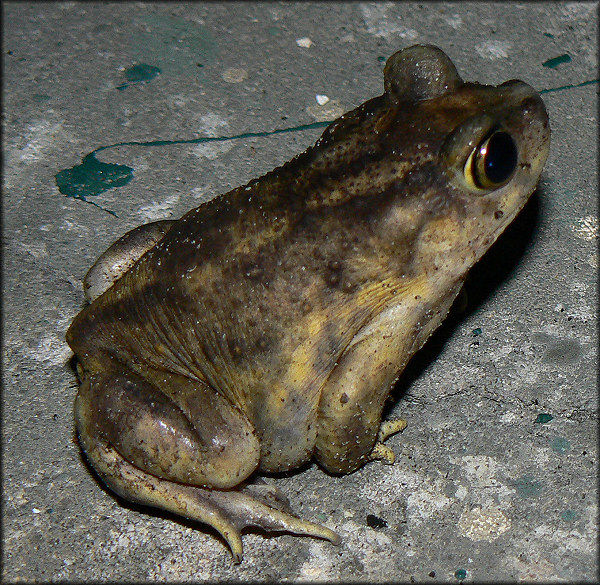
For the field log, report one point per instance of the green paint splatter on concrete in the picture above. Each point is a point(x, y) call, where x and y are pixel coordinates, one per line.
point(527, 486)
point(569, 515)
point(477, 331)
point(140, 73)
point(543, 418)
point(560, 445)
point(550, 36)
point(570, 86)
point(460, 574)
point(192, 46)
point(91, 178)
point(556, 61)
point(205, 139)
point(172, 43)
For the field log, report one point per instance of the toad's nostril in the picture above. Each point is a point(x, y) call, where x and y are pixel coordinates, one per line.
point(529, 106)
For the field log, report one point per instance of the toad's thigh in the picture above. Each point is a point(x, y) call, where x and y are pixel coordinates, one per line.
point(194, 436)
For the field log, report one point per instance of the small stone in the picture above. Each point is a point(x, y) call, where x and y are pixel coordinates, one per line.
point(304, 42)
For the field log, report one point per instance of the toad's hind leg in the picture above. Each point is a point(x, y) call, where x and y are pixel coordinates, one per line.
point(151, 451)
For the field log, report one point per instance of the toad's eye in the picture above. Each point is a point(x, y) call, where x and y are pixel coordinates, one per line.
point(492, 162)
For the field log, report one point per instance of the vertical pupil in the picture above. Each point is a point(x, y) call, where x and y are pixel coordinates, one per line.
point(500, 157)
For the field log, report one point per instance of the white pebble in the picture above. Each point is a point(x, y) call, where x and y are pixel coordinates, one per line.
point(304, 42)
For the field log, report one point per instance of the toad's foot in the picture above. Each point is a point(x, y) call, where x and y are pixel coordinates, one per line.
point(227, 511)
point(380, 451)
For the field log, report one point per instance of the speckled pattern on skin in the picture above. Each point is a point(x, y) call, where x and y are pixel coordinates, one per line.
point(269, 325)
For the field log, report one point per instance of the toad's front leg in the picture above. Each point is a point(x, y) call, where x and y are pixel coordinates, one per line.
point(187, 452)
point(350, 431)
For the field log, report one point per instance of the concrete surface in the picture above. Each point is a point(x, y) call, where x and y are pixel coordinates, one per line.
point(486, 486)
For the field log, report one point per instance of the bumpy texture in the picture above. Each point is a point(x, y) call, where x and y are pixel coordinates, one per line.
point(268, 325)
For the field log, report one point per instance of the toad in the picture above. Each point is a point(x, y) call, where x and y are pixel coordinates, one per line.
point(266, 328)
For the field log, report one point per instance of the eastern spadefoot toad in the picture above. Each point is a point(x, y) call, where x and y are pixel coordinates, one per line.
point(267, 326)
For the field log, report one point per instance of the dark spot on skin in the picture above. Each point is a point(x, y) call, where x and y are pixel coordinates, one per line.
point(234, 304)
point(253, 271)
point(348, 286)
point(262, 343)
point(344, 398)
point(236, 349)
point(317, 254)
point(332, 279)
point(498, 214)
